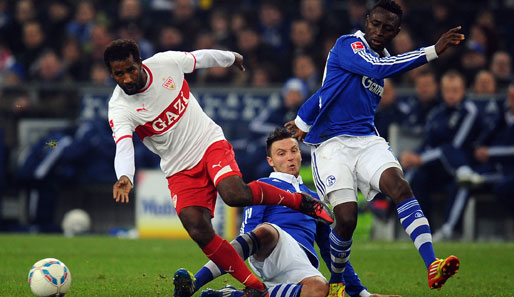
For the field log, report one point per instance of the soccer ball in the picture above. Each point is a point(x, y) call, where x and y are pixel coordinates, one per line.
point(75, 221)
point(49, 277)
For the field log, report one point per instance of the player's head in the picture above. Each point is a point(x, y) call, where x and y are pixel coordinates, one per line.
point(123, 60)
point(283, 152)
point(382, 24)
point(453, 88)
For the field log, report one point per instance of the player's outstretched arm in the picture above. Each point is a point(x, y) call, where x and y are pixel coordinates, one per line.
point(121, 189)
point(450, 38)
point(238, 62)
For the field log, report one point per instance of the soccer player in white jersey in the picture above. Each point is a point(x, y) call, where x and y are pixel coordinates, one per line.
point(347, 153)
point(152, 98)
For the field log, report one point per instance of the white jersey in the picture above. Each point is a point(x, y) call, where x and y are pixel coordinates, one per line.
point(164, 114)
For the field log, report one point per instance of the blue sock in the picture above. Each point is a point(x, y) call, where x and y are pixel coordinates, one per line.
point(285, 290)
point(416, 225)
point(245, 245)
point(339, 254)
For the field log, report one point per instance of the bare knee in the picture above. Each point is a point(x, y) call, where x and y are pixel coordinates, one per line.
point(314, 286)
point(197, 222)
point(346, 219)
point(394, 185)
point(268, 238)
point(234, 191)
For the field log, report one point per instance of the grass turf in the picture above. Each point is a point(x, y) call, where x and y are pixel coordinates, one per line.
point(106, 266)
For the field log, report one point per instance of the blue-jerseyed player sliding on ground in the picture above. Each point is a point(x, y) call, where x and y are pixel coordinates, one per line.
point(347, 153)
point(279, 242)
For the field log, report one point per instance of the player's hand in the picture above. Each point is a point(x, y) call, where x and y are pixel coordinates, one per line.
point(380, 295)
point(238, 62)
point(482, 154)
point(409, 159)
point(450, 38)
point(295, 131)
point(121, 189)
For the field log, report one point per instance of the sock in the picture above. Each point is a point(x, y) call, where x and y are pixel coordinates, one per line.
point(285, 290)
point(416, 225)
point(267, 194)
point(245, 245)
point(226, 257)
point(339, 254)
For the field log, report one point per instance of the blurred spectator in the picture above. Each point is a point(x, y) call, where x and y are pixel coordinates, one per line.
point(387, 110)
point(10, 70)
point(357, 15)
point(273, 27)
point(169, 39)
point(57, 16)
point(501, 67)
point(219, 24)
point(303, 42)
point(321, 20)
point(484, 83)
point(254, 52)
point(414, 110)
point(261, 76)
point(100, 38)
point(132, 30)
point(447, 145)
point(184, 17)
point(49, 69)
point(472, 61)
point(34, 41)
point(74, 61)
point(82, 25)
point(130, 11)
point(13, 31)
point(99, 75)
point(403, 42)
point(305, 69)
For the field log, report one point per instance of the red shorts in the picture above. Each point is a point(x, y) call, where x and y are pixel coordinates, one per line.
point(197, 186)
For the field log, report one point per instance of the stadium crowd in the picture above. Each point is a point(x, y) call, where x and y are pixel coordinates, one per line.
point(61, 43)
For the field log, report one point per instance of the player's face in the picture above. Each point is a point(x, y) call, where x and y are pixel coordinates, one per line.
point(128, 75)
point(381, 27)
point(285, 156)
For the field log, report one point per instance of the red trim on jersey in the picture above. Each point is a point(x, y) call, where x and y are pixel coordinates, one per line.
point(151, 79)
point(194, 67)
point(126, 136)
point(168, 117)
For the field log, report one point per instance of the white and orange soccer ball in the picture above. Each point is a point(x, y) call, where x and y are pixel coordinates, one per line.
point(49, 277)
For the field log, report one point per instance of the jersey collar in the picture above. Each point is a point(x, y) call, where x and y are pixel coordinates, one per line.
point(288, 178)
point(359, 34)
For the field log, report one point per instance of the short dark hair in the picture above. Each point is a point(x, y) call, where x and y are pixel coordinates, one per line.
point(121, 49)
point(391, 6)
point(277, 135)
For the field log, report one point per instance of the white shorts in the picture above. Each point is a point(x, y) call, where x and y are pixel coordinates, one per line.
point(350, 163)
point(287, 263)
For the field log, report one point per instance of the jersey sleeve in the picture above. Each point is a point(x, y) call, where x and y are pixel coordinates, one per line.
point(208, 58)
point(186, 61)
point(308, 113)
point(253, 216)
point(352, 55)
point(121, 125)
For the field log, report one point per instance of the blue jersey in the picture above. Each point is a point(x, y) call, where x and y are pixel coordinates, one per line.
point(352, 87)
point(303, 228)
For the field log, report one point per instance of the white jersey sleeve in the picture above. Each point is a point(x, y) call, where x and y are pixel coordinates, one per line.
point(185, 61)
point(124, 159)
point(208, 58)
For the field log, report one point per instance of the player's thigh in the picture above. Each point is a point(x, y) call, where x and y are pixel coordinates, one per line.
point(376, 156)
point(268, 237)
point(333, 169)
point(287, 263)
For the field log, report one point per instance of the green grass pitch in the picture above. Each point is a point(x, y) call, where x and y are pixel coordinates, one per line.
point(106, 266)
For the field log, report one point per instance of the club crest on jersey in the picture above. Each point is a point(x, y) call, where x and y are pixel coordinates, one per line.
point(357, 46)
point(169, 83)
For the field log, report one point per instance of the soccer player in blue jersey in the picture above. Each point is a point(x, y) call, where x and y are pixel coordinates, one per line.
point(347, 154)
point(279, 242)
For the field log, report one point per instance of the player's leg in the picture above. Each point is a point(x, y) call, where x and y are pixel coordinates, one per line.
point(224, 173)
point(314, 286)
point(389, 179)
point(332, 169)
point(260, 243)
point(197, 222)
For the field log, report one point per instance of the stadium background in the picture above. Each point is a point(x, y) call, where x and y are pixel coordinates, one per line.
point(56, 151)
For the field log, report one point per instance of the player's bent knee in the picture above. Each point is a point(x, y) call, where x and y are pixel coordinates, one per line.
point(314, 286)
point(268, 238)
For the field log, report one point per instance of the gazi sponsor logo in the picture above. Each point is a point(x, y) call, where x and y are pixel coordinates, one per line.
point(372, 86)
